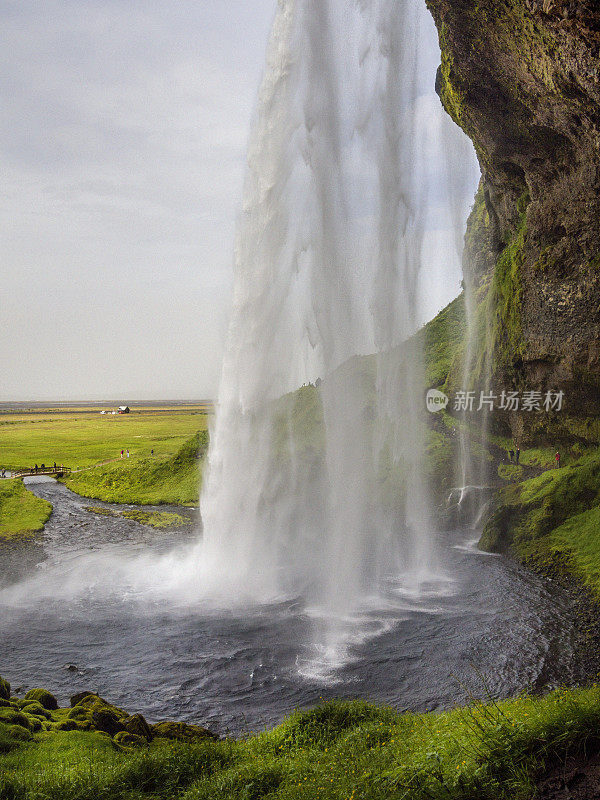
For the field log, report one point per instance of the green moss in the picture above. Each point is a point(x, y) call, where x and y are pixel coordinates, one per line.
point(157, 519)
point(21, 512)
point(43, 697)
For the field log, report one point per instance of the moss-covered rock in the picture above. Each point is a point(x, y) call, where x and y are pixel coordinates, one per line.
point(125, 739)
point(11, 716)
point(181, 731)
point(136, 724)
point(19, 733)
point(36, 710)
point(77, 698)
point(4, 689)
point(43, 697)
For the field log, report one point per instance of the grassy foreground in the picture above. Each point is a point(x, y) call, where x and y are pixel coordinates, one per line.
point(21, 512)
point(151, 481)
point(337, 751)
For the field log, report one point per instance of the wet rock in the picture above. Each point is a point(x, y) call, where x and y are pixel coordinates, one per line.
point(182, 732)
point(137, 725)
point(125, 739)
point(4, 689)
point(72, 668)
point(43, 697)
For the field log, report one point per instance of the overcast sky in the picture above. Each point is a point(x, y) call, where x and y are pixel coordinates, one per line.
point(122, 147)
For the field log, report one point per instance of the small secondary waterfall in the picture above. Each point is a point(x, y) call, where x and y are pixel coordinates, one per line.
point(319, 490)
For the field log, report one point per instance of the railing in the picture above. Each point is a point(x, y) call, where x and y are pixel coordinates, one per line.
point(56, 471)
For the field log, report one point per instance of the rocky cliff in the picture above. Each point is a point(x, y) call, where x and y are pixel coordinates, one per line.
point(522, 78)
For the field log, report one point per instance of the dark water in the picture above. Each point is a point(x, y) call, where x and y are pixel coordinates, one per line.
point(492, 628)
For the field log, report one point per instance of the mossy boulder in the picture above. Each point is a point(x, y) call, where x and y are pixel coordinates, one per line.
point(11, 716)
point(43, 697)
point(98, 713)
point(107, 720)
point(137, 725)
point(19, 733)
point(36, 709)
point(77, 698)
point(34, 723)
point(182, 732)
point(125, 739)
point(4, 689)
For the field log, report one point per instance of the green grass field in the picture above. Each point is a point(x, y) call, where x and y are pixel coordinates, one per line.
point(337, 751)
point(21, 512)
point(82, 439)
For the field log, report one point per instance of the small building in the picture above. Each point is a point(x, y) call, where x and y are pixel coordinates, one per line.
point(124, 410)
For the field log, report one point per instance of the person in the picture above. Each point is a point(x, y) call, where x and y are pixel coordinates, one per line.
point(35, 469)
point(127, 452)
point(557, 459)
point(55, 465)
point(511, 455)
point(152, 452)
point(121, 453)
point(517, 455)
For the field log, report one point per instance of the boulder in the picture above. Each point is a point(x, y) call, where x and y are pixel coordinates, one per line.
point(77, 698)
point(36, 710)
point(125, 739)
point(66, 725)
point(11, 716)
point(4, 689)
point(34, 723)
point(105, 719)
point(137, 725)
point(44, 698)
point(19, 733)
point(182, 732)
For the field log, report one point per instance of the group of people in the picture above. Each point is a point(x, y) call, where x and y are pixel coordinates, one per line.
point(42, 467)
point(514, 456)
point(123, 451)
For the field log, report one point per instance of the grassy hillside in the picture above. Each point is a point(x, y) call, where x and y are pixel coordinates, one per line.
point(21, 512)
point(337, 751)
point(149, 481)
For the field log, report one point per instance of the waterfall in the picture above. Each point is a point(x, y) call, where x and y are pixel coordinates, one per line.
point(315, 483)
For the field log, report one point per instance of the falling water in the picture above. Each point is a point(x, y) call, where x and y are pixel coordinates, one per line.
point(319, 492)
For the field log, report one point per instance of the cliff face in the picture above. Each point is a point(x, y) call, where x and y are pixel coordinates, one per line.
point(522, 78)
